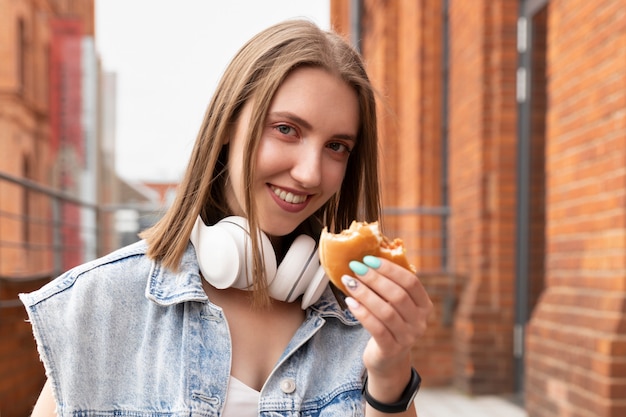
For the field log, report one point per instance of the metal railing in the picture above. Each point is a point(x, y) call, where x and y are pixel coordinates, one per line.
point(41, 229)
point(424, 231)
point(44, 231)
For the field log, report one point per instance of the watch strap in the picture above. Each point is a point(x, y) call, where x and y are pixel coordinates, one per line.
point(405, 401)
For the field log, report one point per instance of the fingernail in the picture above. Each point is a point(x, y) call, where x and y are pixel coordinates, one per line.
point(371, 261)
point(358, 268)
point(349, 282)
point(352, 303)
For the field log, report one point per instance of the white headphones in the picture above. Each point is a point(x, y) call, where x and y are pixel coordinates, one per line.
point(223, 249)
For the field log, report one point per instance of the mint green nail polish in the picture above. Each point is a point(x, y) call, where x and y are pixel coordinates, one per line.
point(358, 268)
point(371, 261)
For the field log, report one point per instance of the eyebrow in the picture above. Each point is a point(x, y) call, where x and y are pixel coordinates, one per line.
point(299, 120)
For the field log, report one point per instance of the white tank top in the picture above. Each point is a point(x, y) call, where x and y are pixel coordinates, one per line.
point(241, 400)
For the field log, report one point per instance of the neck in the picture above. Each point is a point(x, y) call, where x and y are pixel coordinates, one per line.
point(280, 245)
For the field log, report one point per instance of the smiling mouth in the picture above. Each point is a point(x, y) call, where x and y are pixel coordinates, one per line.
point(288, 196)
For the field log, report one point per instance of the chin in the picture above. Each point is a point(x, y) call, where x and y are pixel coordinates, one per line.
point(278, 231)
point(279, 228)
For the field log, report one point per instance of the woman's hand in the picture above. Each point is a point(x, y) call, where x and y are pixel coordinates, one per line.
point(391, 303)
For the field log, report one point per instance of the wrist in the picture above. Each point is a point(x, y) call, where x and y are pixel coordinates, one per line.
point(403, 403)
point(387, 380)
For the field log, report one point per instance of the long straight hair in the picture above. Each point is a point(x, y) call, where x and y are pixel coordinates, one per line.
point(255, 73)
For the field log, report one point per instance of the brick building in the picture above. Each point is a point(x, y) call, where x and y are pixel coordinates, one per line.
point(512, 114)
point(50, 159)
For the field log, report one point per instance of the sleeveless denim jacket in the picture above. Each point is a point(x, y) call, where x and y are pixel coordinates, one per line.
point(122, 336)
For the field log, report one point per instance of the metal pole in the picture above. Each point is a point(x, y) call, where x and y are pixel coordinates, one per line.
point(356, 12)
point(523, 173)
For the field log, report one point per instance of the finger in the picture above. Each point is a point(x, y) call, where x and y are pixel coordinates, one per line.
point(402, 277)
point(396, 285)
point(384, 297)
point(381, 317)
point(381, 331)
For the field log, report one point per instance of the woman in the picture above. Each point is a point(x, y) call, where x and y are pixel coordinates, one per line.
point(288, 144)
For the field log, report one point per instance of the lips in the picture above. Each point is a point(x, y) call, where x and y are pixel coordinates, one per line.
point(288, 196)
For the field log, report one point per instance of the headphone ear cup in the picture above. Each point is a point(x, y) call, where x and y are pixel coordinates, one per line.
point(316, 288)
point(223, 248)
point(296, 270)
point(217, 253)
point(240, 232)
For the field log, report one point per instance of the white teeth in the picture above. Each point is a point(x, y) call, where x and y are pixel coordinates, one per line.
point(289, 197)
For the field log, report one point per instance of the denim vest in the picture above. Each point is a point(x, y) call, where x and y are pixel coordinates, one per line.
point(124, 336)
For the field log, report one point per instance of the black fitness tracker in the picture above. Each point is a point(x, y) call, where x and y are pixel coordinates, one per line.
point(405, 401)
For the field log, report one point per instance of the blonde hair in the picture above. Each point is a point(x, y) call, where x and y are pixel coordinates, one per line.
point(257, 71)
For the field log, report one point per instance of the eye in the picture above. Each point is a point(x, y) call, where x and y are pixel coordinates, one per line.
point(339, 147)
point(285, 129)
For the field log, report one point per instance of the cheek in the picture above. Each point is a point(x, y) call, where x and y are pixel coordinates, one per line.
point(234, 185)
point(334, 174)
point(272, 158)
point(234, 165)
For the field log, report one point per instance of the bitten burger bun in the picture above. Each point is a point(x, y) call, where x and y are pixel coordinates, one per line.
point(352, 244)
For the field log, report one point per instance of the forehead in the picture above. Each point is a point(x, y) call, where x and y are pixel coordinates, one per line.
point(320, 97)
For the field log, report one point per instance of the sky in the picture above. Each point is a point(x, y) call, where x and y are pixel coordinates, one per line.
point(168, 57)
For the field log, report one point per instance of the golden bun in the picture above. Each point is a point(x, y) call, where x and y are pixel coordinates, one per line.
point(336, 250)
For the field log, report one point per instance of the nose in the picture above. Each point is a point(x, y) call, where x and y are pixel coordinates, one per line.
point(307, 168)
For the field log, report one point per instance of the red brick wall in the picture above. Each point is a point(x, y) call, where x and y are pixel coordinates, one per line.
point(576, 344)
point(482, 189)
point(405, 66)
point(402, 45)
point(21, 372)
point(23, 129)
point(434, 354)
point(340, 17)
point(576, 360)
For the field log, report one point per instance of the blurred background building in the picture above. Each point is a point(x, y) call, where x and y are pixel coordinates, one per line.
point(503, 126)
point(61, 202)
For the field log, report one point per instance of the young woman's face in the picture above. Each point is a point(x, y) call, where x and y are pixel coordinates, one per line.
point(308, 134)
